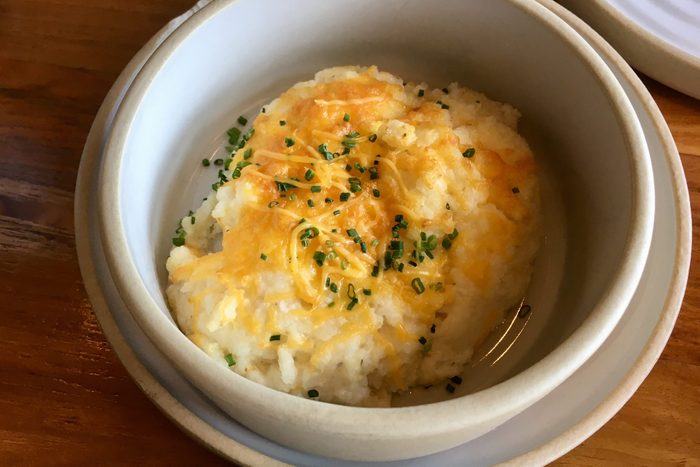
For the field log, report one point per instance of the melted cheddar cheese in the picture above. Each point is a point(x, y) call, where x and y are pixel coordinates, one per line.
point(371, 233)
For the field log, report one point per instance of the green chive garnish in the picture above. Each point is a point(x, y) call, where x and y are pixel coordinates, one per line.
point(263, 256)
point(315, 188)
point(319, 257)
point(206, 163)
point(312, 393)
point(310, 203)
point(283, 122)
point(344, 196)
point(422, 340)
point(309, 175)
point(272, 204)
point(218, 162)
point(421, 93)
point(456, 379)
point(367, 291)
point(230, 360)
point(275, 337)
point(178, 241)
point(376, 193)
point(289, 142)
point(346, 117)
point(469, 153)
point(336, 212)
point(372, 137)
point(242, 120)
point(417, 285)
point(450, 388)
point(248, 153)
point(334, 287)
point(515, 190)
point(234, 135)
point(352, 304)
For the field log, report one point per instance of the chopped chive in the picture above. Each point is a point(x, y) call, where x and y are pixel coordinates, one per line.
point(348, 168)
point(450, 388)
point(445, 90)
point(373, 173)
point(334, 287)
point(178, 241)
point(328, 281)
point(310, 203)
point(206, 163)
point(346, 117)
point(301, 221)
point(469, 153)
point(234, 135)
point(352, 304)
point(421, 93)
point(355, 184)
point(400, 268)
point(309, 175)
point(312, 393)
point(242, 120)
point(272, 204)
point(367, 291)
point(289, 142)
point(328, 200)
point(375, 242)
point(262, 110)
point(376, 193)
point(315, 188)
point(293, 197)
point(375, 271)
point(275, 337)
point(248, 153)
point(515, 190)
point(417, 285)
point(230, 360)
point(372, 138)
point(218, 162)
point(283, 122)
point(444, 106)
point(323, 149)
point(432, 329)
point(336, 212)
point(456, 379)
point(363, 247)
point(343, 265)
point(352, 233)
point(344, 196)
point(422, 340)
point(319, 257)
point(447, 206)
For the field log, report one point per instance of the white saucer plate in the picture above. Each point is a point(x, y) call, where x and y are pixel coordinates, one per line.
point(545, 431)
point(661, 38)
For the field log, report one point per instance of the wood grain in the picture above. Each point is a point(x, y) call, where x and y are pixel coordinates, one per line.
point(64, 397)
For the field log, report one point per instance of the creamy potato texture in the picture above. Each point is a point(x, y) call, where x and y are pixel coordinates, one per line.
point(363, 239)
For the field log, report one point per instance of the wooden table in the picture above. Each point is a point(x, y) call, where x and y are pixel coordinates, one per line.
point(64, 397)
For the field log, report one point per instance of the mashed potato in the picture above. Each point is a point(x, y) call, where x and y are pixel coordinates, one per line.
point(363, 238)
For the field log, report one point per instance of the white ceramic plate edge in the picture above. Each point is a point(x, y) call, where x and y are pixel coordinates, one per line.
point(653, 56)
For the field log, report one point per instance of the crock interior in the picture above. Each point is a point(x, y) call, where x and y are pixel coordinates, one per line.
point(229, 67)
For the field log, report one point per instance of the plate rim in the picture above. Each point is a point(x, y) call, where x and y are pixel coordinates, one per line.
point(628, 35)
point(231, 449)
